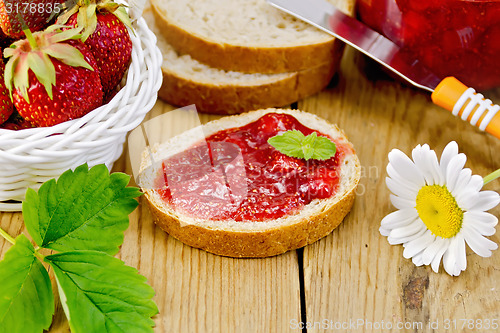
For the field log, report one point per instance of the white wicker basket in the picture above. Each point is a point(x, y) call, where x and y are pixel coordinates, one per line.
point(32, 156)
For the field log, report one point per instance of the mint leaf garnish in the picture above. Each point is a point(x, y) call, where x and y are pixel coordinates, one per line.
point(83, 210)
point(289, 143)
point(324, 148)
point(26, 299)
point(101, 294)
point(308, 145)
point(295, 144)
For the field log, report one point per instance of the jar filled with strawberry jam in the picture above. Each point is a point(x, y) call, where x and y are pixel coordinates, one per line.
point(460, 38)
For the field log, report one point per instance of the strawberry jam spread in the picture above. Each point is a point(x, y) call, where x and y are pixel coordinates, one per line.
point(238, 175)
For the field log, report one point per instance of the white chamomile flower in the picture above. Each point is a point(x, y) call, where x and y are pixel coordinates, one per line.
point(440, 208)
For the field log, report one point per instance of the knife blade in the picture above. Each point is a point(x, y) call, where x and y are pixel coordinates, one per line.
point(448, 93)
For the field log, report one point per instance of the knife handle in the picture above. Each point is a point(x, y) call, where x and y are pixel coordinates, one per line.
point(464, 102)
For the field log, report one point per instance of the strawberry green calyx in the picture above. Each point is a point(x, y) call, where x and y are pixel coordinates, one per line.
point(87, 17)
point(35, 52)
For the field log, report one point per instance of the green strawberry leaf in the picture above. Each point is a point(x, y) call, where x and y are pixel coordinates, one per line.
point(44, 70)
point(294, 144)
point(83, 210)
point(123, 16)
point(26, 299)
point(21, 78)
point(100, 294)
point(67, 54)
point(63, 35)
point(87, 18)
point(9, 70)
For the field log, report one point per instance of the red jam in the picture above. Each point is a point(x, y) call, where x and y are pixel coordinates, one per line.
point(238, 175)
point(451, 37)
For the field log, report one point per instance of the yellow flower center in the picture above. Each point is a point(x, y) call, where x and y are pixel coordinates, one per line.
point(439, 210)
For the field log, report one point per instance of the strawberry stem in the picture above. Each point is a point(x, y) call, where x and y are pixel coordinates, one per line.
point(27, 32)
point(38, 254)
point(30, 38)
point(7, 237)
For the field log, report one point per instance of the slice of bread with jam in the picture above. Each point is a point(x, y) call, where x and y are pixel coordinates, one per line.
point(233, 194)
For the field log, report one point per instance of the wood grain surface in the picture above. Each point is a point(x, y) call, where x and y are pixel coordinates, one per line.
point(349, 281)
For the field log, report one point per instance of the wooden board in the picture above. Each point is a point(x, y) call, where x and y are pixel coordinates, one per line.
point(352, 274)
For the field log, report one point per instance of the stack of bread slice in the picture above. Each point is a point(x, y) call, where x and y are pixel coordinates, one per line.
point(231, 56)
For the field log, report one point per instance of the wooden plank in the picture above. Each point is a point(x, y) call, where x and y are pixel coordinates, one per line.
point(200, 292)
point(354, 280)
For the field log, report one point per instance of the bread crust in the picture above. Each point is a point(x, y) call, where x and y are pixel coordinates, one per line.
point(256, 244)
point(233, 99)
point(255, 239)
point(268, 60)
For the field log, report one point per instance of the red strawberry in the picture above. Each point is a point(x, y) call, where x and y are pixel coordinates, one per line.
point(53, 77)
point(6, 107)
point(4, 40)
point(16, 123)
point(35, 13)
point(105, 33)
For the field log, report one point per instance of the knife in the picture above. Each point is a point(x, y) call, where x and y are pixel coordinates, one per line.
point(448, 93)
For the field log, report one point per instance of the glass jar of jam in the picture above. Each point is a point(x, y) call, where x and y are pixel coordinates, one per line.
point(460, 38)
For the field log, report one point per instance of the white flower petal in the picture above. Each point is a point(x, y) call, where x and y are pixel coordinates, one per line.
point(484, 223)
point(455, 165)
point(405, 167)
point(439, 254)
point(426, 161)
point(400, 191)
point(467, 201)
point(450, 151)
point(401, 203)
point(469, 191)
point(391, 171)
point(407, 230)
point(417, 245)
point(432, 250)
point(404, 240)
point(464, 177)
point(461, 258)
point(439, 177)
point(450, 257)
point(384, 232)
point(478, 243)
point(417, 259)
point(399, 218)
point(486, 201)
point(417, 154)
